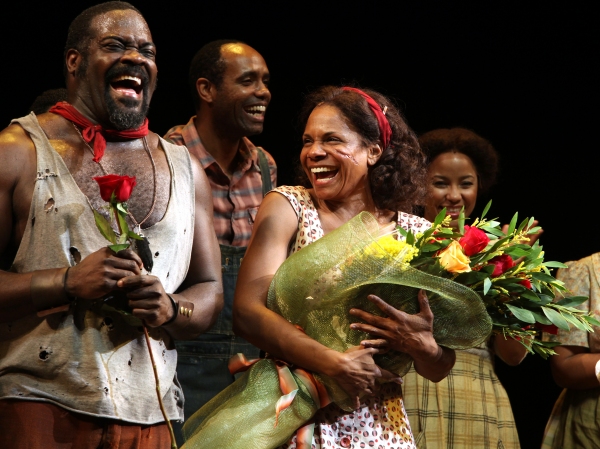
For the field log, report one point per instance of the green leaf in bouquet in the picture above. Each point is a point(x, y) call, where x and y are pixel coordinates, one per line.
point(531, 265)
point(487, 284)
point(530, 222)
point(542, 277)
point(571, 301)
point(402, 231)
point(510, 283)
point(555, 265)
point(528, 294)
point(517, 251)
point(557, 319)
point(534, 230)
point(461, 221)
point(513, 224)
point(104, 227)
point(542, 319)
point(493, 292)
point(439, 218)
point(447, 233)
point(493, 230)
point(521, 314)
point(410, 238)
point(432, 247)
point(486, 209)
point(544, 348)
point(426, 237)
point(522, 225)
point(581, 325)
point(470, 278)
point(497, 245)
point(545, 299)
point(590, 319)
point(534, 254)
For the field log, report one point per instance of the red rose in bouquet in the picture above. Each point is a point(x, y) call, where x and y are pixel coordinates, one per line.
point(474, 241)
point(502, 263)
point(526, 283)
point(120, 185)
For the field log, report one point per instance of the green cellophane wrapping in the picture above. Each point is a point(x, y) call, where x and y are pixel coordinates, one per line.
point(315, 288)
point(243, 415)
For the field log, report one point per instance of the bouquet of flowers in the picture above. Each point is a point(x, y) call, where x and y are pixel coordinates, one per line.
point(314, 289)
point(511, 277)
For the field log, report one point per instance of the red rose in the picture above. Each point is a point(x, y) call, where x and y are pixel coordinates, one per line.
point(548, 328)
point(473, 241)
point(526, 283)
point(121, 185)
point(501, 264)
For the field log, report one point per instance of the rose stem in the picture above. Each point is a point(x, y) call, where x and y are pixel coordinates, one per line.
point(116, 212)
point(160, 402)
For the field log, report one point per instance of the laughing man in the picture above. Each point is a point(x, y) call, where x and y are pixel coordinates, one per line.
point(75, 372)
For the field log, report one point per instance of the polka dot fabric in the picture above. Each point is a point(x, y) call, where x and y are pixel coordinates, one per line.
point(381, 422)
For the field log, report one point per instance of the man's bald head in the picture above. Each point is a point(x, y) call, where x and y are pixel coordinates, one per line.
point(208, 63)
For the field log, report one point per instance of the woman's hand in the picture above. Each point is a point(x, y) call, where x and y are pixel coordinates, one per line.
point(412, 334)
point(399, 330)
point(356, 373)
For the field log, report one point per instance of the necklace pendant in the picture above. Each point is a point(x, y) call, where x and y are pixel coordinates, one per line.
point(143, 250)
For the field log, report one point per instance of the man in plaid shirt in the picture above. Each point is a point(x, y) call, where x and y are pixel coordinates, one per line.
point(229, 84)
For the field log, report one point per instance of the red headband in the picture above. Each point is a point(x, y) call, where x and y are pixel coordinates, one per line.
point(385, 130)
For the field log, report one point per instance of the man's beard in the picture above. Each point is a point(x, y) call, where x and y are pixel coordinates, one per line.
point(123, 114)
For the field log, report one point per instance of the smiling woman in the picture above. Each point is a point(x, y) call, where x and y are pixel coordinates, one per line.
point(461, 166)
point(359, 155)
point(469, 408)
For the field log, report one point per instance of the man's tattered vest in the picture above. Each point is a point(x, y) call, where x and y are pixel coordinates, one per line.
point(92, 359)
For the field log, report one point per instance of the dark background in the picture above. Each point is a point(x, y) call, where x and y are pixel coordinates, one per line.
point(522, 74)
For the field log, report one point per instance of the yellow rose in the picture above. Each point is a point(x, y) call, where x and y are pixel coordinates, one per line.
point(453, 259)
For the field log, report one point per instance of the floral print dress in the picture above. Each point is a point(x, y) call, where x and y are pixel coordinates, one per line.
point(381, 422)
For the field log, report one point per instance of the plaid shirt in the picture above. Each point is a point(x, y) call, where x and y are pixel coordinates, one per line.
point(235, 200)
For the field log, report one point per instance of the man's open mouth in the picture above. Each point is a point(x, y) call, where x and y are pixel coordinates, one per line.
point(127, 85)
point(256, 111)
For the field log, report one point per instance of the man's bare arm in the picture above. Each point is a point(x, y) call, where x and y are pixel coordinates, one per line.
point(94, 277)
point(17, 175)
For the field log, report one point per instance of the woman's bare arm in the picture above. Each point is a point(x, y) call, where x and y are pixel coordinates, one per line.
point(275, 226)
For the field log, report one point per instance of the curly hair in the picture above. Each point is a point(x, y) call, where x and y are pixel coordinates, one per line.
point(462, 140)
point(80, 33)
point(398, 179)
point(208, 63)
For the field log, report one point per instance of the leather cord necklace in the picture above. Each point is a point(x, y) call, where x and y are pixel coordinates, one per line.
point(142, 246)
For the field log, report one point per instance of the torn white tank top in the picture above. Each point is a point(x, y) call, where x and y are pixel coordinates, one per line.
point(91, 360)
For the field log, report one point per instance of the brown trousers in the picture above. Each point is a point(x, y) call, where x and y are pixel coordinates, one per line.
point(41, 425)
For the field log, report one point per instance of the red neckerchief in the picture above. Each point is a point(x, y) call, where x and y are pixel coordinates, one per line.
point(96, 133)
